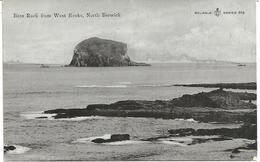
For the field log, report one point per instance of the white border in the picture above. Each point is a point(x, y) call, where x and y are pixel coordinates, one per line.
point(1, 88)
point(257, 71)
point(258, 77)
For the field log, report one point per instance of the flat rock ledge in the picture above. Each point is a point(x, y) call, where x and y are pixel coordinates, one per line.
point(215, 106)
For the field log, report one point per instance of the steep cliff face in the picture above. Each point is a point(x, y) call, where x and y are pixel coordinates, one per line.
point(97, 52)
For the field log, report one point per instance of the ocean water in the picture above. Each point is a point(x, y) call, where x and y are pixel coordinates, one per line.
point(29, 89)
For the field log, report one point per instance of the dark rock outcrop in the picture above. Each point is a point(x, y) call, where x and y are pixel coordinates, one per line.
point(99, 140)
point(97, 52)
point(250, 85)
point(214, 106)
point(113, 138)
point(9, 148)
point(250, 146)
point(120, 137)
point(248, 131)
point(217, 99)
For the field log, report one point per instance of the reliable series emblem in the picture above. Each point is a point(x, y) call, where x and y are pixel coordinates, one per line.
point(217, 12)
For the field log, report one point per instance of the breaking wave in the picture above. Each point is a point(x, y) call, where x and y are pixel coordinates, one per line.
point(36, 115)
point(190, 120)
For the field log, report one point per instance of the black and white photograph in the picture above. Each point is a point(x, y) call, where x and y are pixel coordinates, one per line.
point(129, 80)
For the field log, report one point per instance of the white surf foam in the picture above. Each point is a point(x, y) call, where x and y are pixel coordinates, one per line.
point(18, 150)
point(179, 139)
point(40, 115)
point(189, 120)
point(81, 118)
point(172, 143)
point(126, 142)
point(36, 115)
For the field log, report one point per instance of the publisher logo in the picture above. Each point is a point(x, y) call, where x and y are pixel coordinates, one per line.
point(217, 12)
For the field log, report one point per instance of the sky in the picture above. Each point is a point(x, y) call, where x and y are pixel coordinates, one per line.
point(155, 31)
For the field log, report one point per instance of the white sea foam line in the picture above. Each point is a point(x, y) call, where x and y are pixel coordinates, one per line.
point(190, 120)
point(101, 86)
point(176, 139)
point(18, 150)
point(36, 114)
point(82, 118)
point(172, 143)
point(126, 142)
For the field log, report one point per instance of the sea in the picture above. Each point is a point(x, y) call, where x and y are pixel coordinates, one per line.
point(28, 90)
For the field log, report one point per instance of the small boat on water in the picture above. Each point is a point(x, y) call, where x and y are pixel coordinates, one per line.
point(241, 65)
point(44, 66)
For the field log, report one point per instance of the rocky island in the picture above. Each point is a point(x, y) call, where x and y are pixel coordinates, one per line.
point(97, 52)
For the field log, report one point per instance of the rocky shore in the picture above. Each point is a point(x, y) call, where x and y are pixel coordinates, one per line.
point(250, 85)
point(215, 106)
point(247, 131)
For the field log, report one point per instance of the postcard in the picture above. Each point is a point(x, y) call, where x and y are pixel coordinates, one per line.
point(126, 80)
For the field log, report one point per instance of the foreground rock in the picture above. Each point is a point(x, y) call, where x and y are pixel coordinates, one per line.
point(198, 136)
point(250, 146)
point(114, 138)
point(248, 131)
point(214, 106)
point(97, 52)
point(9, 148)
point(251, 85)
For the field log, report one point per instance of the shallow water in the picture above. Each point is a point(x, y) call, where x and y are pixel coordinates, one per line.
point(30, 89)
